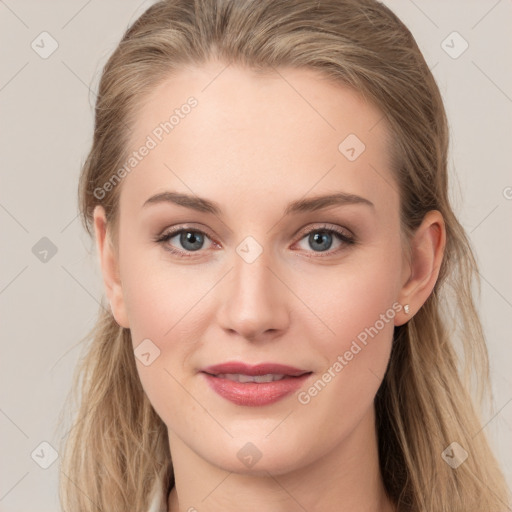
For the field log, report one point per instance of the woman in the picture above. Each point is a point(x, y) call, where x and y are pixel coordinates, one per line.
point(268, 192)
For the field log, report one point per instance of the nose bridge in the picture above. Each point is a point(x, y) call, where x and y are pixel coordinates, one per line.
point(251, 270)
point(255, 301)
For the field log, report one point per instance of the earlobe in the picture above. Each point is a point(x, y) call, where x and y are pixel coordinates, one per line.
point(426, 255)
point(109, 267)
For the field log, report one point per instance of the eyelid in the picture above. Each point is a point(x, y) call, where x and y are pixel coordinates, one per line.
point(185, 227)
point(327, 227)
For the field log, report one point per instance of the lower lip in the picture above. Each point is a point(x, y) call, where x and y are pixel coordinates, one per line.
point(254, 393)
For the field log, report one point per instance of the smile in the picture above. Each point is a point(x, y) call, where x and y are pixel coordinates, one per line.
point(254, 390)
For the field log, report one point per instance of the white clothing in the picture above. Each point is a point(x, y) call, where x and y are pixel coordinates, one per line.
point(158, 501)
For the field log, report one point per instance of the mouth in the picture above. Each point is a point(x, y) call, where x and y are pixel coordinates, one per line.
point(258, 385)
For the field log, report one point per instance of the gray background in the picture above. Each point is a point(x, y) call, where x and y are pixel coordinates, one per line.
point(47, 122)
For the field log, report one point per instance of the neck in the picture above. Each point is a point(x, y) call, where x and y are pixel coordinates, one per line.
point(347, 478)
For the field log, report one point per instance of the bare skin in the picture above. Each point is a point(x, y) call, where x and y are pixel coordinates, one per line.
point(254, 144)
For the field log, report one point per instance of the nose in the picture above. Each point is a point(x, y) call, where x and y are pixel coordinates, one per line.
point(254, 301)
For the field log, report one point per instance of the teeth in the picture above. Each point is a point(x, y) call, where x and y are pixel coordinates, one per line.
point(238, 377)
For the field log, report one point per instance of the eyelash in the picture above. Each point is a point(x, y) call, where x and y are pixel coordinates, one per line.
point(341, 235)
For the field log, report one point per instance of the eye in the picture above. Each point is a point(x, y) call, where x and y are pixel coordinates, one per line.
point(191, 240)
point(321, 239)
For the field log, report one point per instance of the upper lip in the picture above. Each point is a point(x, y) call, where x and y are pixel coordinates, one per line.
point(259, 369)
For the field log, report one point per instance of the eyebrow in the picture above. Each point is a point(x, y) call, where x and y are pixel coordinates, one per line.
point(299, 206)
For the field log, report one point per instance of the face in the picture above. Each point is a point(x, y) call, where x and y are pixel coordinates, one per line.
point(260, 273)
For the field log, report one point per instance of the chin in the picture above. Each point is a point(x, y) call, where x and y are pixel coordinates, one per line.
point(257, 456)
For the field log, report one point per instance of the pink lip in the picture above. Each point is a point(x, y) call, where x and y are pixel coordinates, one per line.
point(254, 393)
point(259, 369)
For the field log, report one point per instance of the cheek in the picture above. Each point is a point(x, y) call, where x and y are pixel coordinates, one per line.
point(353, 299)
point(357, 306)
point(160, 303)
point(162, 312)
point(170, 313)
point(355, 350)
point(157, 293)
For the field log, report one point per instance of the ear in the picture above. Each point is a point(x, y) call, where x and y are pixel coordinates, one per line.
point(109, 267)
point(421, 269)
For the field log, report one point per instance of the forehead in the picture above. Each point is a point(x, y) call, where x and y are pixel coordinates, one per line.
point(229, 132)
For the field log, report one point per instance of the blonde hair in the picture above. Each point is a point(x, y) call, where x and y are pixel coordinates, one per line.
point(118, 446)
